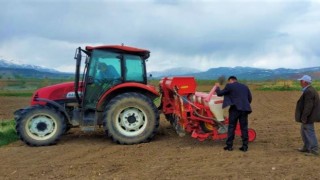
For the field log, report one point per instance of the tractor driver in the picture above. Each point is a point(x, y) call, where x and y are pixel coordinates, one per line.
point(102, 71)
point(106, 72)
point(107, 75)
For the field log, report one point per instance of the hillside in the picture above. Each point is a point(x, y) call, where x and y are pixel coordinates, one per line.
point(175, 72)
point(250, 73)
point(16, 73)
point(11, 70)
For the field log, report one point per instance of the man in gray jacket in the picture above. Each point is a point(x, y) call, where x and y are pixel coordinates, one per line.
point(307, 112)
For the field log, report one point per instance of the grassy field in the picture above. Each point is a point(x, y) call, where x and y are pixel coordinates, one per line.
point(16, 89)
point(25, 87)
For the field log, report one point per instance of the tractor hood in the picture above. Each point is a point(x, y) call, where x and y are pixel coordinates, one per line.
point(56, 92)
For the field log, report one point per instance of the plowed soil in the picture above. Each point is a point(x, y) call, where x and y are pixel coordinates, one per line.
point(79, 155)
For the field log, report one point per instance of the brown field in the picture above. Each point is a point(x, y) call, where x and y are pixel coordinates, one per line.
point(80, 155)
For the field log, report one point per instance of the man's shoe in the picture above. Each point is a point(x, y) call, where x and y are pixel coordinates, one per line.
point(227, 148)
point(304, 150)
point(312, 153)
point(244, 149)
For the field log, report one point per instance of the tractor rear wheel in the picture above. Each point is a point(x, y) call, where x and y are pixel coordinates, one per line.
point(40, 125)
point(131, 118)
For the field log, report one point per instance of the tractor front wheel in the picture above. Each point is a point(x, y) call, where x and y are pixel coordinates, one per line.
point(131, 118)
point(40, 125)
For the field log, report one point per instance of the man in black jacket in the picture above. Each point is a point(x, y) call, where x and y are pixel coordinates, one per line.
point(238, 97)
point(307, 112)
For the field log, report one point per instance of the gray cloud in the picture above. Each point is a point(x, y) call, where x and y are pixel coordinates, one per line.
point(203, 34)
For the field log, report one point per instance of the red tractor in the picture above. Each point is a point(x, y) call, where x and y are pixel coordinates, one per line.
point(112, 93)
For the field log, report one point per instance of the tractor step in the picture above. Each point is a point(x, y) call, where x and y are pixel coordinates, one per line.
point(88, 124)
point(87, 128)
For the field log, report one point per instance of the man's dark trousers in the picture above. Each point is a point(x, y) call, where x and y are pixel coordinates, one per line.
point(234, 115)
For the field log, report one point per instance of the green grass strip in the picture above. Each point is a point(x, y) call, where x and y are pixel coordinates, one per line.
point(7, 132)
point(278, 89)
point(16, 94)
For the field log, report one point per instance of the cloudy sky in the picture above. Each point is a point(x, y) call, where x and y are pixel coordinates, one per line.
point(198, 34)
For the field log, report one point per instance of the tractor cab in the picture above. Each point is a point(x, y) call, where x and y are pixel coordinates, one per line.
point(107, 67)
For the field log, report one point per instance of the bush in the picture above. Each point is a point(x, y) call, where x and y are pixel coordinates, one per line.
point(8, 133)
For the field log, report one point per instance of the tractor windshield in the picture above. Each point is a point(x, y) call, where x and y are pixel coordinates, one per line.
point(104, 65)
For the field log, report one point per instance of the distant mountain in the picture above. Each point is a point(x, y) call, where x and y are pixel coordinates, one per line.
point(14, 70)
point(174, 72)
point(11, 64)
point(249, 73)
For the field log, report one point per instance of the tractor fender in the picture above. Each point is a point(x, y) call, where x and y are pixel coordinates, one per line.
point(56, 106)
point(147, 90)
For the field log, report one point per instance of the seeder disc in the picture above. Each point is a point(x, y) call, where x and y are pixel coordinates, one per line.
point(252, 134)
point(206, 127)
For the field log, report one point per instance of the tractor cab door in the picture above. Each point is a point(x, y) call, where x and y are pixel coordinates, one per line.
point(104, 71)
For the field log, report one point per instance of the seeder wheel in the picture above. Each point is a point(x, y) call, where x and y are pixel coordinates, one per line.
point(206, 127)
point(252, 134)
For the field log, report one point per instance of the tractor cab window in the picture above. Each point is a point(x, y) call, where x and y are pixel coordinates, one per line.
point(104, 72)
point(105, 65)
point(134, 68)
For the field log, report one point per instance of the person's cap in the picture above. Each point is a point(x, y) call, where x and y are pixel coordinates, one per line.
point(305, 78)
